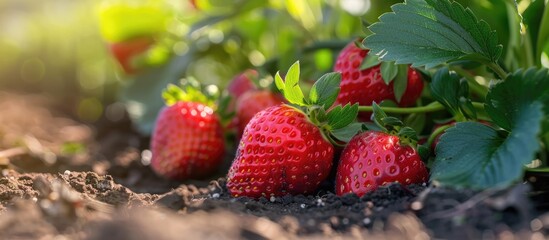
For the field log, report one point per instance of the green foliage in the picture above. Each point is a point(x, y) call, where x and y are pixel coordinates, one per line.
point(388, 71)
point(430, 33)
point(474, 155)
point(401, 81)
point(325, 90)
point(338, 123)
point(345, 134)
point(477, 156)
point(340, 117)
point(452, 91)
point(121, 20)
point(519, 91)
point(290, 85)
point(369, 61)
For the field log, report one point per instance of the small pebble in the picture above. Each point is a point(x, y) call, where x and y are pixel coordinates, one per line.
point(366, 221)
point(272, 199)
point(67, 172)
point(215, 195)
point(303, 205)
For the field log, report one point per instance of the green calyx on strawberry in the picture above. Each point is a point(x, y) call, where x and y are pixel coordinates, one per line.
point(365, 79)
point(187, 141)
point(376, 158)
point(287, 149)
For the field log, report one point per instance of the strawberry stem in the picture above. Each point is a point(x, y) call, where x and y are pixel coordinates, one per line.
point(432, 107)
point(498, 70)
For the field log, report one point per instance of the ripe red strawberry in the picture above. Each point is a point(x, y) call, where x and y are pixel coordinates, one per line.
point(126, 51)
point(253, 102)
point(283, 150)
point(187, 141)
point(367, 86)
point(242, 83)
point(373, 159)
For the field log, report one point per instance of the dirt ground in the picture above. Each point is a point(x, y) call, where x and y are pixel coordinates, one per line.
point(62, 179)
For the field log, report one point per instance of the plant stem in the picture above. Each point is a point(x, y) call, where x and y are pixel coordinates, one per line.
point(432, 107)
point(498, 70)
point(436, 133)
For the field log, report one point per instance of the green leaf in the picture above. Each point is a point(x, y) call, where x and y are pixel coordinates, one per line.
point(279, 83)
point(416, 121)
point(478, 156)
point(334, 114)
point(292, 91)
point(325, 90)
point(391, 121)
point(518, 91)
point(474, 155)
point(379, 115)
point(369, 61)
point(407, 133)
point(343, 117)
point(345, 134)
point(401, 82)
point(289, 87)
point(365, 24)
point(445, 87)
point(432, 32)
point(122, 20)
point(388, 71)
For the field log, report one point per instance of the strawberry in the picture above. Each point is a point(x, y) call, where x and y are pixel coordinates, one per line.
point(253, 102)
point(365, 86)
point(239, 85)
point(242, 83)
point(372, 159)
point(125, 52)
point(187, 141)
point(283, 150)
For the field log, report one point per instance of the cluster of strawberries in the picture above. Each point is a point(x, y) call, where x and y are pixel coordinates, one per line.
point(289, 146)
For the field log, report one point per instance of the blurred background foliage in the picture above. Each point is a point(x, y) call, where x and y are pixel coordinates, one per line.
point(64, 48)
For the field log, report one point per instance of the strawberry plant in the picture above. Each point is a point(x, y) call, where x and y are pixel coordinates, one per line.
point(287, 149)
point(445, 38)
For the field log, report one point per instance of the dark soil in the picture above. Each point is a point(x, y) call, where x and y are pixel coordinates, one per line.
point(104, 190)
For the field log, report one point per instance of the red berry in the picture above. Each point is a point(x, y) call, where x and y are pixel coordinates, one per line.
point(372, 159)
point(253, 102)
point(281, 152)
point(187, 141)
point(367, 86)
point(126, 51)
point(242, 83)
